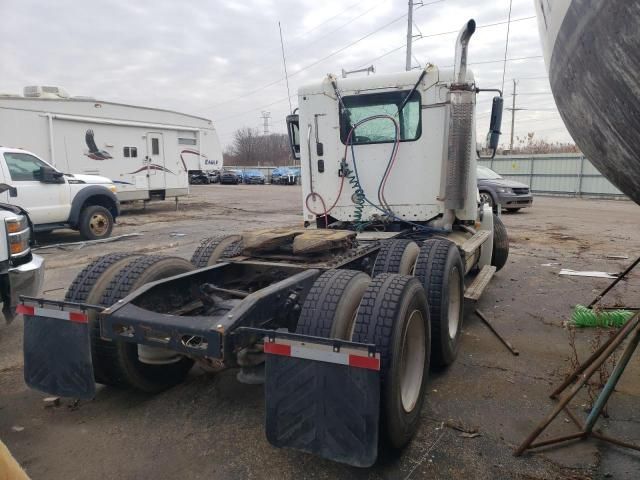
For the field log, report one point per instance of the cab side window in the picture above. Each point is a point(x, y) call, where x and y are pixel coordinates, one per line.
point(23, 166)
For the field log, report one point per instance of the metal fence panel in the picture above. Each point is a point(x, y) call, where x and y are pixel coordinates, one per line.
point(566, 173)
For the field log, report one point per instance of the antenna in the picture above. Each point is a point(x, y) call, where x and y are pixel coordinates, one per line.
point(284, 62)
point(506, 47)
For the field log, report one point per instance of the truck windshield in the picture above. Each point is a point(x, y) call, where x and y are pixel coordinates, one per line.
point(359, 107)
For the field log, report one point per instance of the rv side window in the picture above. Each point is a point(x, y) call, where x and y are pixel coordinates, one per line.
point(382, 130)
point(23, 166)
point(134, 151)
point(126, 152)
point(186, 141)
point(155, 146)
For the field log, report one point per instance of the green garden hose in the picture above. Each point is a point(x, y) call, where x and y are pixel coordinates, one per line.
point(586, 317)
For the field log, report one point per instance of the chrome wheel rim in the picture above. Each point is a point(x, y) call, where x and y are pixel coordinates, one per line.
point(412, 361)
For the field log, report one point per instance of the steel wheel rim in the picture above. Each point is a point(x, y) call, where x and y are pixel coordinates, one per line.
point(454, 303)
point(99, 224)
point(412, 361)
point(486, 198)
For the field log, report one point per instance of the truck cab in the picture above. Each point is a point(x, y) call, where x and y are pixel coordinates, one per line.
point(54, 199)
point(21, 272)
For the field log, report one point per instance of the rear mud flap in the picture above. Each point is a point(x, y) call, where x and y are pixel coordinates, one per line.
point(57, 352)
point(327, 409)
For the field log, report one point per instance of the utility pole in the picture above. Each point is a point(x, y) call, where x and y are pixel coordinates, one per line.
point(513, 113)
point(265, 118)
point(409, 34)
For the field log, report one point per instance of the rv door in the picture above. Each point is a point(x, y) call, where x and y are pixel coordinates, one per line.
point(155, 161)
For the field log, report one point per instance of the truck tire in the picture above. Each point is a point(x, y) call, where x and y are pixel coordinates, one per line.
point(95, 222)
point(500, 251)
point(212, 249)
point(121, 365)
point(440, 270)
point(331, 305)
point(396, 256)
point(394, 316)
point(88, 287)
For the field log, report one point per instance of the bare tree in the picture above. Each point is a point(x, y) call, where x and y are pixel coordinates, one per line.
point(252, 149)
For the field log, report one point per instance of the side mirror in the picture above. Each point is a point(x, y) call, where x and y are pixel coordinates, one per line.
point(293, 129)
point(50, 175)
point(493, 136)
point(13, 192)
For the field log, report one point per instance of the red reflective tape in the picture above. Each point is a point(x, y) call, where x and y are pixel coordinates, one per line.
point(370, 363)
point(78, 317)
point(25, 309)
point(277, 349)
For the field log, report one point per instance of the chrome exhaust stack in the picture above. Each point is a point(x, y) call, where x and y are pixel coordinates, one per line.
point(459, 145)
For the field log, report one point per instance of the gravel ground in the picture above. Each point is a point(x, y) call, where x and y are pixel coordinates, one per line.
point(211, 426)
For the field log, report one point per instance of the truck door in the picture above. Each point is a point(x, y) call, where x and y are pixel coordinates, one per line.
point(45, 202)
point(155, 161)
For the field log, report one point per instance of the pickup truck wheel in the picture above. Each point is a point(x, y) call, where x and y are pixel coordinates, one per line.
point(88, 287)
point(396, 256)
point(332, 303)
point(500, 251)
point(96, 222)
point(394, 315)
point(212, 249)
point(123, 366)
point(439, 268)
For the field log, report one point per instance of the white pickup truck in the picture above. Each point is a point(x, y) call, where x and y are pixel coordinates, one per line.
point(21, 272)
point(54, 199)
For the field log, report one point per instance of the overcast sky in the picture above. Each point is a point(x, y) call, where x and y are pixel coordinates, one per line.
point(221, 59)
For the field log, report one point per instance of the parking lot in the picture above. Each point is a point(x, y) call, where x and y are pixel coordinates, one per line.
point(211, 426)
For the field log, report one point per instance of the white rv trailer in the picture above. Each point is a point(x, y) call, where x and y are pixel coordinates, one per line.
point(146, 152)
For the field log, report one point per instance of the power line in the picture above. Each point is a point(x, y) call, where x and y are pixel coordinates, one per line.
point(439, 34)
point(313, 64)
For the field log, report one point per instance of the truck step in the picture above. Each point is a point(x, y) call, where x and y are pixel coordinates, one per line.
point(474, 291)
point(472, 244)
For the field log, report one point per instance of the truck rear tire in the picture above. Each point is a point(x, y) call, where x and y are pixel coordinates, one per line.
point(500, 252)
point(212, 249)
point(396, 256)
point(332, 303)
point(120, 363)
point(88, 287)
point(439, 268)
point(96, 222)
point(394, 316)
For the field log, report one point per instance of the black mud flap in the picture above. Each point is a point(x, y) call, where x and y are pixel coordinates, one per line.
point(57, 352)
point(323, 400)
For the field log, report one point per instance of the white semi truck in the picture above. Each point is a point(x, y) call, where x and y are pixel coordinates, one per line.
point(340, 319)
point(146, 152)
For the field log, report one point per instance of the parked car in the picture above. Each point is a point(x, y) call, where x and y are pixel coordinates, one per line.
point(198, 178)
point(214, 176)
point(254, 176)
point(496, 190)
point(240, 174)
point(229, 177)
point(285, 175)
point(54, 199)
